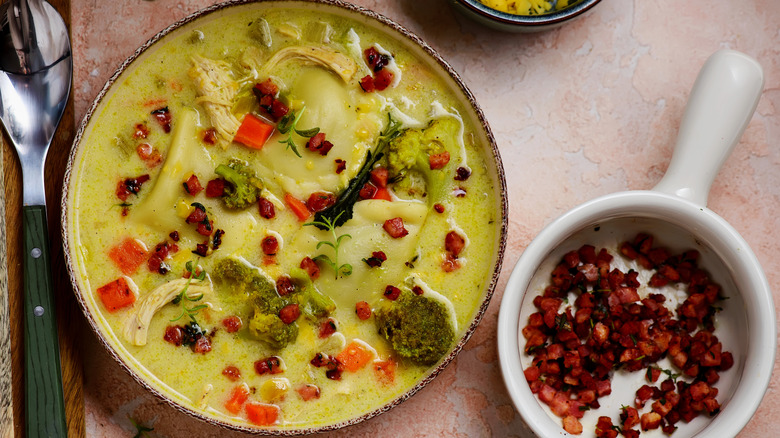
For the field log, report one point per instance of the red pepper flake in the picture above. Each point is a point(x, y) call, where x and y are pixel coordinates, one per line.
point(215, 188)
point(311, 267)
point(319, 201)
point(392, 293)
point(210, 136)
point(289, 313)
point(174, 335)
point(363, 310)
point(141, 131)
point(163, 117)
point(376, 259)
point(269, 365)
point(270, 245)
point(284, 285)
point(462, 173)
point(267, 209)
point(130, 186)
point(395, 228)
point(192, 185)
point(216, 241)
point(232, 323)
point(341, 165)
point(232, 373)
point(439, 208)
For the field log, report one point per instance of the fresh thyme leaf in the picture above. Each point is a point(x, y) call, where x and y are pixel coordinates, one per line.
point(309, 133)
point(287, 125)
point(328, 225)
point(191, 268)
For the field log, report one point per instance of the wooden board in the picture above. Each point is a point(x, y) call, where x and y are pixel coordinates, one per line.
point(69, 317)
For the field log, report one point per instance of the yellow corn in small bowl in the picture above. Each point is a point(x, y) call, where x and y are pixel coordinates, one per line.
point(523, 15)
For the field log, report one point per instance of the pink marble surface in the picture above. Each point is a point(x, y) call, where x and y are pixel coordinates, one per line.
point(581, 111)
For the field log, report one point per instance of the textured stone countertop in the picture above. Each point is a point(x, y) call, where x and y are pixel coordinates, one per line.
point(585, 110)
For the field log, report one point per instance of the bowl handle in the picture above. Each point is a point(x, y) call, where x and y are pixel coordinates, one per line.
point(720, 105)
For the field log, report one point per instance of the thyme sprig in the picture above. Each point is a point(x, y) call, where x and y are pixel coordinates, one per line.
point(288, 125)
point(330, 225)
point(190, 311)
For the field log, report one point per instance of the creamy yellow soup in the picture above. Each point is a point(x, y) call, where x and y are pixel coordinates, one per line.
point(204, 75)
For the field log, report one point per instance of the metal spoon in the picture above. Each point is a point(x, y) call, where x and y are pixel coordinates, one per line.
point(35, 79)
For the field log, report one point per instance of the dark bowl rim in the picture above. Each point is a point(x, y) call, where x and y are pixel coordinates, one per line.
point(394, 29)
point(543, 20)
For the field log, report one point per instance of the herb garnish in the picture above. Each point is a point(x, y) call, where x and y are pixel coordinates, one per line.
point(288, 125)
point(190, 311)
point(329, 225)
point(341, 210)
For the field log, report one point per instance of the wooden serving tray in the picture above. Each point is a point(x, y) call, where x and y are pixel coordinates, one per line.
point(69, 318)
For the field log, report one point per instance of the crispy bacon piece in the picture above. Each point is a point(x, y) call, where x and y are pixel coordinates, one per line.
point(395, 228)
point(319, 201)
point(379, 176)
point(232, 373)
point(341, 165)
point(317, 143)
point(232, 323)
point(392, 293)
point(363, 310)
point(284, 285)
point(267, 209)
point(215, 188)
point(454, 243)
point(174, 335)
point(308, 391)
point(289, 313)
point(269, 365)
point(311, 267)
point(450, 263)
point(141, 131)
point(376, 259)
point(270, 245)
point(327, 328)
point(572, 425)
point(192, 185)
point(130, 186)
point(368, 191)
point(163, 117)
point(438, 207)
point(210, 136)
point(462, 173)
point(383, 79)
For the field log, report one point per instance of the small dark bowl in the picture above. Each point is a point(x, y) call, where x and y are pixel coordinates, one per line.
point(521, 23)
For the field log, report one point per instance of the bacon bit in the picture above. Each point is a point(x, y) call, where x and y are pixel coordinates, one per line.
point(163, 117)
point(269, 365)
point(202, 345)
point(156, 260)
point(438, 207)
point(311, 267)
point(650, 420)
point(205, 228)
point(232, 323)
point(308, 391)
point(376, 259)
point(192, 185)
point(144, 151)
point(317, 143)
point(392, 293)
point(629, 417)
point(266, 88)
point(379, 177)
point(418, 290)
point(266, 93)
point(327, 328)
point(604, 428)
point(215, 188)
point(375, 60)
point(174, 335)
point(289, 313)
point(438, 161)
point(368, 191)
point(202, 249)
point(210, 136)
point(130, 186)
point(454, 243)
point(450, 263)
point(363, 310)
point(232, 373)
point(383, 79)
point(284, 285)
point(367, 84)
point(572, 425)
point(216, 242)
point(462, 173)
point(267, 209)
point(341, 165)
point(197, 215)
point(395, 228)
point(141, 131)
point(334, 367)
point(174, 235)
point(270, 245)
point(319, 201)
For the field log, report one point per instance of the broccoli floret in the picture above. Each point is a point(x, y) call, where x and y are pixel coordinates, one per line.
point(265, 324)
point(408, 159)
point(418, 328)
point(243, 188)
point(272, 330)
point(312, 302)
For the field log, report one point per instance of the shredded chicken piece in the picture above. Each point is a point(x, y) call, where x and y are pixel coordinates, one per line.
point(204, 396)
point(336, 61)
point(216, 91)
point(137, 324)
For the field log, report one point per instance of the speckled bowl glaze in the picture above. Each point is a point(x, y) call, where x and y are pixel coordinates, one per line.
point(521, 23)
point(364, 16)
point(719, 108)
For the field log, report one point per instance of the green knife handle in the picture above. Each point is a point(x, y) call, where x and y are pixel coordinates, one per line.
point(44, 402)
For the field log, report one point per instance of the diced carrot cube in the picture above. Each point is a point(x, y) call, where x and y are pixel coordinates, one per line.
point(238, 397)
point(253, 132)
point(128, 255)
point(355, 356)
point(262, 414)
point(297, 206)
point(116, 294)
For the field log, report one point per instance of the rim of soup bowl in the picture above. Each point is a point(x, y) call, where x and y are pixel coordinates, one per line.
point(705, 226)
point(406, 37)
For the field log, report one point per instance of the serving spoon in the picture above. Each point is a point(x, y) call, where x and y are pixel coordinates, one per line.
point(35, 79)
